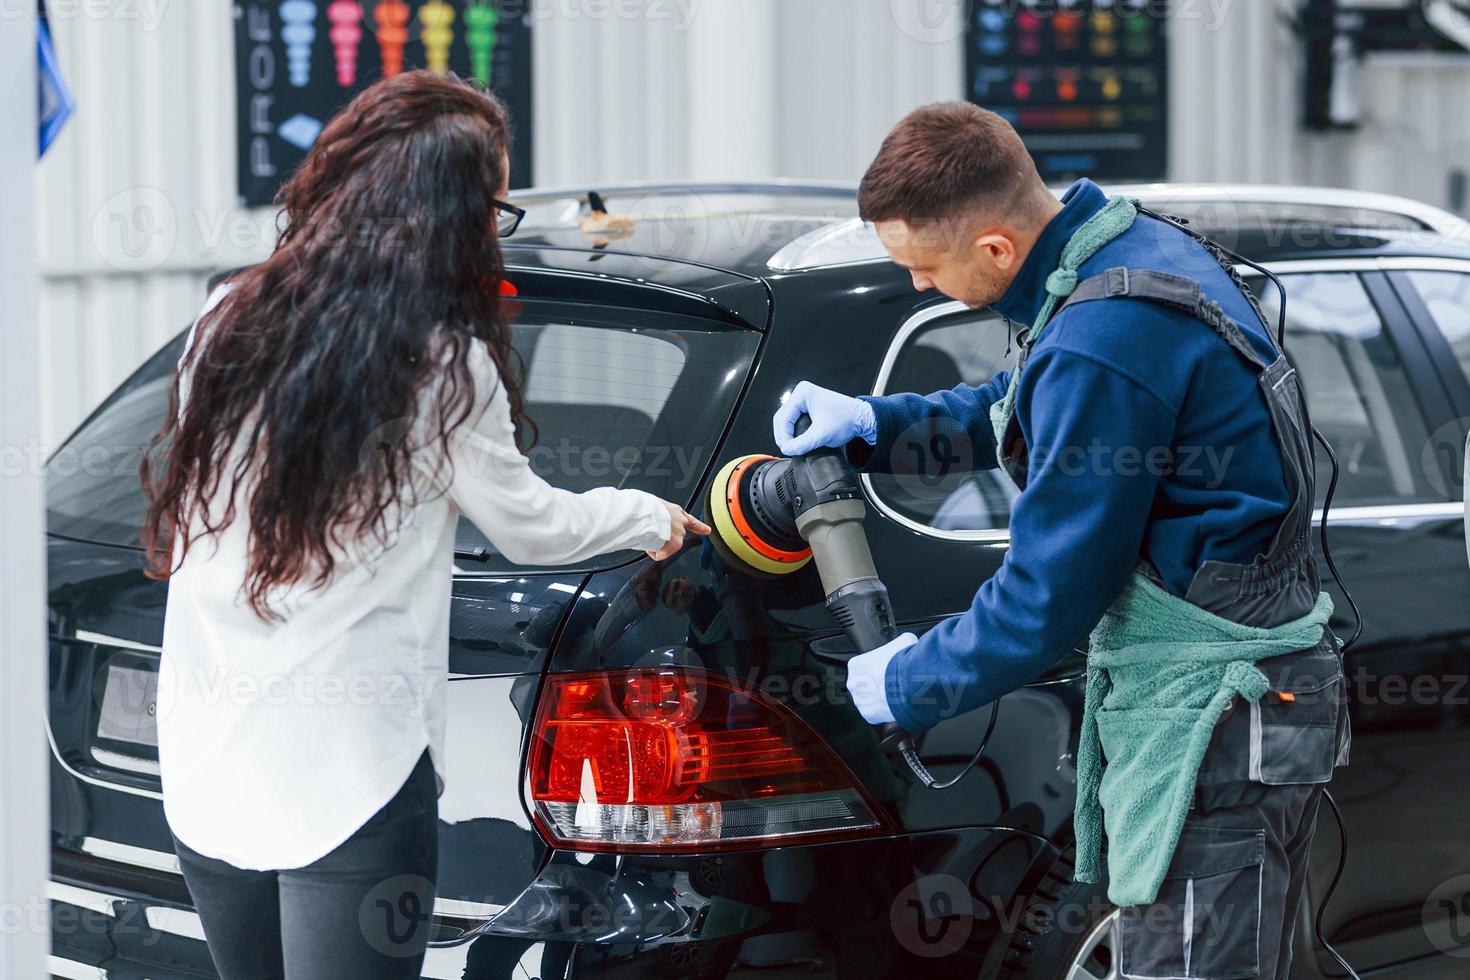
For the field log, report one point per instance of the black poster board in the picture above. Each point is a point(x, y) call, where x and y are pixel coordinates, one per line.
point(1083, 81)
point(299, 61)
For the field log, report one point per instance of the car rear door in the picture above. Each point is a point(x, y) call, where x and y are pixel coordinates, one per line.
point(1435, 292)
point(1376, 392)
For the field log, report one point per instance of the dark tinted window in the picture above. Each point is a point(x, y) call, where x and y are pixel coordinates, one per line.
point(967, 348)
point(620, 398)
point(1357, 390)
point(1447, 296)
point(1356, 385)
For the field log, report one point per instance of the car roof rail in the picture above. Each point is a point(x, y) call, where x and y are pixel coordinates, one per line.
point(852, 241)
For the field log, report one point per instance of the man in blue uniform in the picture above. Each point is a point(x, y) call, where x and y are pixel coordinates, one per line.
point(1162, 451)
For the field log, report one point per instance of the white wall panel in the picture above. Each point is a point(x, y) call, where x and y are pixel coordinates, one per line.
point(133, 192)
point(1236, 103)
point(635, 89)
point(24, 813)
point(1416, 127)
point(1234, 92)
point(848, 72)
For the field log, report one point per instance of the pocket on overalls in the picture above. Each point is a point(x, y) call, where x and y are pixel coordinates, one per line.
point(1294, 727)
point(1206, 920)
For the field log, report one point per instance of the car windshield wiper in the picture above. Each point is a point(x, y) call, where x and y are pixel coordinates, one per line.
point(472, 554)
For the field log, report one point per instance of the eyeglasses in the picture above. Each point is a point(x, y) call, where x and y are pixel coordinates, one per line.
point(507, 218)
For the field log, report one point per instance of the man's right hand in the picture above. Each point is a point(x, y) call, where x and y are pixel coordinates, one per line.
point(837, 419)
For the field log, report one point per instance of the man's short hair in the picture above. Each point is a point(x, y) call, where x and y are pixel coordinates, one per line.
point(945, 159)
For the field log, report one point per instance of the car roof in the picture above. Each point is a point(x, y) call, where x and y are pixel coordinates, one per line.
point(785, 227)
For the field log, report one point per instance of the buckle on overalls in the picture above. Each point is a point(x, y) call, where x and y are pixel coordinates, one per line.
point(1115, 282)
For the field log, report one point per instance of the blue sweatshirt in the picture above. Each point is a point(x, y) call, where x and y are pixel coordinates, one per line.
point(1147, 436)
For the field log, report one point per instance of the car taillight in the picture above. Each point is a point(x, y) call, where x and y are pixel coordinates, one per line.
point(669, 759)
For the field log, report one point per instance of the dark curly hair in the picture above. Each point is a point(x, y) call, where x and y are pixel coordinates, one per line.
point(387, 269)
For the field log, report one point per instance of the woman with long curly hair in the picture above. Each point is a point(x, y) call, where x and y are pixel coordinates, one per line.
point(336, 409)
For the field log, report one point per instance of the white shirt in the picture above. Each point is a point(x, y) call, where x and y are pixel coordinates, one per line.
point(276, 741)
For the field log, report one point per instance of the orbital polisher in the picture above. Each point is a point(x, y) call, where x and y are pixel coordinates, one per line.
point(771, 516)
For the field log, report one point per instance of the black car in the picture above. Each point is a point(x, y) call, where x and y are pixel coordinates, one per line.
point(760, 830)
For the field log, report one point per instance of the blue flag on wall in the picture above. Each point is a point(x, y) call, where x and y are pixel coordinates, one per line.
point(55, 105)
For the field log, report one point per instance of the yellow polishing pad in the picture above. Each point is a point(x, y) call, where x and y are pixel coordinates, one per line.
point(734, 530)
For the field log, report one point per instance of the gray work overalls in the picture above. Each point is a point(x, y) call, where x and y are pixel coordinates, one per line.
point(1228, 904)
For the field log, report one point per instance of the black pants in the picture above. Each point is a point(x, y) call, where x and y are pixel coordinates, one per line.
point(362, 911)
point(1227, 908)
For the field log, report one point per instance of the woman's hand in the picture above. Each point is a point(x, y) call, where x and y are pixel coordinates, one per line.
point(681, 524)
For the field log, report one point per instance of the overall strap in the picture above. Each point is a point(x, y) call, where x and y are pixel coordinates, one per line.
point(1115, 218)
point(1216, 251)
point(1179, 292)
point(1284, 401)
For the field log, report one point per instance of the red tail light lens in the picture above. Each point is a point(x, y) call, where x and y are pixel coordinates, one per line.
point(664, 759)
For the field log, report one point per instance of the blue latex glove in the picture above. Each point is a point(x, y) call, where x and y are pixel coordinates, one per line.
point(865, 674)
point(837, 419)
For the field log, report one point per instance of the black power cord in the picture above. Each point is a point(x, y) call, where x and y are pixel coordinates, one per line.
point(1336, 577)
point(894, 738)
point(1342, 835)
point(1332, 886)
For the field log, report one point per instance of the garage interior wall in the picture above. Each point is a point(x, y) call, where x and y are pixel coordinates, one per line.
point(137, 196)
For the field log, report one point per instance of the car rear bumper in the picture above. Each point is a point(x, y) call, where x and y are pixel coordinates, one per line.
point(937, 901)
point(115, 920)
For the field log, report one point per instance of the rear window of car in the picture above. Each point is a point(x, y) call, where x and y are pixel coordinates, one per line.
point(620, 398)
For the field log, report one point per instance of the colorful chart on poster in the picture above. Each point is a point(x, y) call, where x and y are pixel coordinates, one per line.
point(299, 61)
point(1083, 82)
